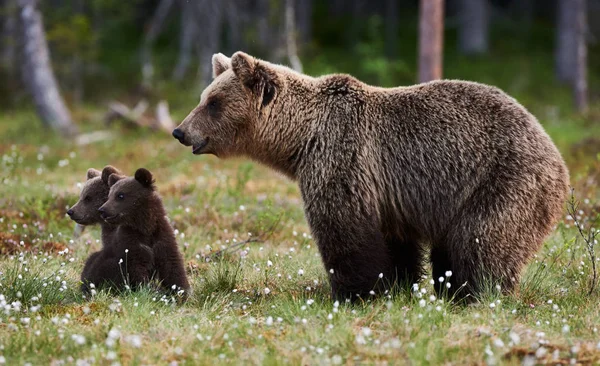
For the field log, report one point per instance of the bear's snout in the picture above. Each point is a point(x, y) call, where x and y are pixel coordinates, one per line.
point(179, 135)
point(70, 212)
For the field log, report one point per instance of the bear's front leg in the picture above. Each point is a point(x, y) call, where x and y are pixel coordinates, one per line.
point(352, 246)
point(170, 267)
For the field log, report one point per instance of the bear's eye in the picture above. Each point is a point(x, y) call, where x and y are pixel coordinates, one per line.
point(87, 198)
point(120, 196)
point(213, 106)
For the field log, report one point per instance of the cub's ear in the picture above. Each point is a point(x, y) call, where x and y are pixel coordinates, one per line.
point(144, 177)
point(256, 76)
point(114, 178)
point(220, 63)
point(107, 171)
point(92, 173)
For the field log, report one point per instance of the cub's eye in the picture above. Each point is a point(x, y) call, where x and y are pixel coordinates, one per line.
point(120, 196)
point(87, 198)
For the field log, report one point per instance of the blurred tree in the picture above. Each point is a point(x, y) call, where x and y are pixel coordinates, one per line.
point(37, 70)
point(290, 31)
point(580, 75)
point(566, 41)
point(154, 28)
point(201, 22)
point(473, 29)
point(8, 20)
point(304, 15)
point(391, 29)
point(431, 35)
point(209, 17)
point(186, 39)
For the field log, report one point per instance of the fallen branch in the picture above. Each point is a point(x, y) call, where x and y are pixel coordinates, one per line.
point(138, 117)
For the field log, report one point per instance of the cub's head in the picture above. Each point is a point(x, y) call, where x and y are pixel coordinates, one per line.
point(93, 195)
point(231, 107)
point(128, 197)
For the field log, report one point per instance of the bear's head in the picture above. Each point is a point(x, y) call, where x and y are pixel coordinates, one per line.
point(93, 195)
point(232, 107)
point(130, 198)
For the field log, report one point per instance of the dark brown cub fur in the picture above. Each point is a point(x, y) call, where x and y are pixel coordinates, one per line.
point(135, 206)
point(102, 268)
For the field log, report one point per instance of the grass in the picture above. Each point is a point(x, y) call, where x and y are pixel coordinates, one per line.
point(263, 302)
point(260, 294)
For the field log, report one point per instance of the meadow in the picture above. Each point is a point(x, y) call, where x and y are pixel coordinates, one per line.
point(260, 293)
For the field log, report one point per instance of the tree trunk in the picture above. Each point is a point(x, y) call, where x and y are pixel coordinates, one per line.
point(431, 36)
point(37, 70)
point(290, 32)
point(473, 31)
point(391, 29)
point(208, 16)
point(8, 36)
point(235, 23)
point(77, 65)
point(186, 40)
point(566, 41)
point(154, 29)
point(580, 75)
point(304, 11)
point(262, 24)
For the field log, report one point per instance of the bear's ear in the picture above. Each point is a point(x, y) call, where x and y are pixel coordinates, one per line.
point(220, 64)
point(114, 178)
point(144, 177)
point(255, 75)
point(92, 173)
point(107, 171)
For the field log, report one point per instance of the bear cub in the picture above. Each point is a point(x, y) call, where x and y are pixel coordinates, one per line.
point(136, 208)
point(110, 267)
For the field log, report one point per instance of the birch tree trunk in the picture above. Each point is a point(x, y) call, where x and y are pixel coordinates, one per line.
point(431, 36)
point(37, 70)
point(290, 31)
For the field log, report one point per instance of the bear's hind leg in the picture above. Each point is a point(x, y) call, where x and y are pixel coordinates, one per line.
point(407, 259)
point(490, 240)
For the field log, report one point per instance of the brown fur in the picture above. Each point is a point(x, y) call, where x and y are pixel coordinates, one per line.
point(457, 168)
point(134, 205)
point(102, 268)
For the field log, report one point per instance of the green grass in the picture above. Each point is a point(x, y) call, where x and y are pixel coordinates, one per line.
point(266, 301)
point(231, 317)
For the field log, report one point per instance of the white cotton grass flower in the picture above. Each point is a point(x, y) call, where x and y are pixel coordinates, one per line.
point(448, 273)
point(134, 340)
point(381, 275)
point(269, 321)
point(78, 339)
point(331, 271)
point(300, 272)
point(441, 279)
point(113, 335)
point(267, 291)
point(269, 263)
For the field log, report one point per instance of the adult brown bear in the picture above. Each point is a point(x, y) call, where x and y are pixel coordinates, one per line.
point(456, 169)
